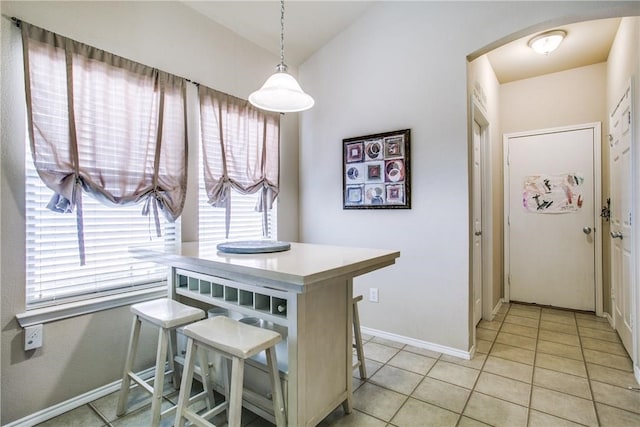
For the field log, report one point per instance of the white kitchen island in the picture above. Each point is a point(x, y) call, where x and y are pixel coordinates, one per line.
point(305, 293)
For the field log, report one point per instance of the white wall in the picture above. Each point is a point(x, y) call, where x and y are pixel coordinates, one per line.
point(403, 65)
point(87, 352)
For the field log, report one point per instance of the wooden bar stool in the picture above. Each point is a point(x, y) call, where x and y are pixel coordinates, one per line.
point(357, 334)
point(167, 315)
point(235, 341)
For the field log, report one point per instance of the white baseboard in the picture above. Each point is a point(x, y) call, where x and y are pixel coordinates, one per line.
point(418, 343)
point(496, 309)
point(609, 319)
point(74, 402)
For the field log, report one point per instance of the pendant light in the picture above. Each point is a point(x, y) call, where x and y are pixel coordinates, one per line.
point(281, 92)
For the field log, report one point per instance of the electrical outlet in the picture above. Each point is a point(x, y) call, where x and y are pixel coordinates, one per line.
point(33, 337)
point(373, 294)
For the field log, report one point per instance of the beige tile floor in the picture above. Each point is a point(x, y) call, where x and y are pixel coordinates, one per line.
point(533, 367)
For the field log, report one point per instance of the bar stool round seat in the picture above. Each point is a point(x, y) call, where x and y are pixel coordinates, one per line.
point(234, 341)
point(167, 315)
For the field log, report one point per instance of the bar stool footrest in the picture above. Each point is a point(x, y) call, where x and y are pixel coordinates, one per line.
point(141, 382)
point(202, 418)
point(193, 399)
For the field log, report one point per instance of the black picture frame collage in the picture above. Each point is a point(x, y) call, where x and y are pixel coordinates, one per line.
point(376, 171)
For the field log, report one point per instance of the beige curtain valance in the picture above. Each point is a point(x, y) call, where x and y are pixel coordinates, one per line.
point(240, 146)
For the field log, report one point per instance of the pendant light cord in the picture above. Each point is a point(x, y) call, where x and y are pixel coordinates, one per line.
point(282, 35)
point(281, 92)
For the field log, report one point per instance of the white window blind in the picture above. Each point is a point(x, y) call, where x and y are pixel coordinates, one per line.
point(246, 222)
point(53, 270)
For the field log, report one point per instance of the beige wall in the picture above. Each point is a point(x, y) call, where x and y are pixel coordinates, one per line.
point(623, 62)
point(390, 70)
point(402, 65)
point(553, 100)
point(561, 99)
point(87, 352)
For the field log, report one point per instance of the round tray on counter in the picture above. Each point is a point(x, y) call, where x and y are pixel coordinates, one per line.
point(253, 246)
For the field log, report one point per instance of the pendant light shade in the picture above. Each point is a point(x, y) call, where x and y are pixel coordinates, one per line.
point(281, 92)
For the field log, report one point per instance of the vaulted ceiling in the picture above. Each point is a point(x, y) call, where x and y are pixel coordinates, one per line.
point(310, 24)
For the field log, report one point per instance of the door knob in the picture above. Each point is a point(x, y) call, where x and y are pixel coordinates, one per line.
point(586, 230)
point(616, 234)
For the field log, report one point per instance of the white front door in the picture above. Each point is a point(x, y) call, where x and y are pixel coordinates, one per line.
point(621, 254)
point(550, 212)
point(477, 222)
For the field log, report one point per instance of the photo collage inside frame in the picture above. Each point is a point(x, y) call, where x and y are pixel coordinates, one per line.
point(376, 171)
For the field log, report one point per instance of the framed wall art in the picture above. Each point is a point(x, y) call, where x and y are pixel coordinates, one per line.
point(376, 171)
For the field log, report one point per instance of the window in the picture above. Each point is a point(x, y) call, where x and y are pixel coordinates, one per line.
point(54, 273)
point(246, 222)
point(107, 141)
point(240, 167)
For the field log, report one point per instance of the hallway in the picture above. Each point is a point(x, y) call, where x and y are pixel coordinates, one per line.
point(533, 366)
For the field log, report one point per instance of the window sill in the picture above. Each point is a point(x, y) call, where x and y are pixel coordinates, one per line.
point(80, 308)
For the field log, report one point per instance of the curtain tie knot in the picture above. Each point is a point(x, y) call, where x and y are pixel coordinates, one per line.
point(153, 201)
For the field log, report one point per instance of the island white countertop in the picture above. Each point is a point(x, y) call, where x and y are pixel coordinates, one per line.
point(303, 265)
point(314, 284)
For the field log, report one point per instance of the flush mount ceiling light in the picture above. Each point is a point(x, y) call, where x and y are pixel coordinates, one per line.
point(546, 43)
point(281, 92)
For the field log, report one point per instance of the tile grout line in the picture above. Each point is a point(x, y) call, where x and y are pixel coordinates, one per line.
point(533, 366)
point(424, 377)
point(482, 367)
point(99, 413)
point(383, 364)
point(533, 373)
point(605, 366)
point(407, 396)
point(366, 381)
point(566, 373)
point(588, 377)
point(586, 370)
